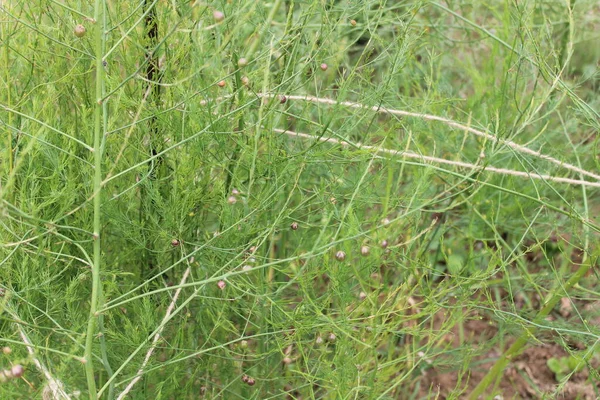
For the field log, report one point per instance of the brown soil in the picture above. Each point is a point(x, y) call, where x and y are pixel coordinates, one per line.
point(527, 377)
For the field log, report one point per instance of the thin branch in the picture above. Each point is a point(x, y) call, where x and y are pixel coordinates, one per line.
point(449, 122)
point(55, 387)
point(410, 154)
point(166, 318)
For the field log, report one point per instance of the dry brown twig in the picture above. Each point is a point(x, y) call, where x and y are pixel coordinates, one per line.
point(429, 159)
point(54, 388)
point(408, 154)
point(167, 316)
point(449, 122)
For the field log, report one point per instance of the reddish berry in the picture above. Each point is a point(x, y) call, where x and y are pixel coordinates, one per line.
point(221, 285)
point(17, 370)
point(221, 84)
point(324, 67)
point(218, 16)
point(340, 256)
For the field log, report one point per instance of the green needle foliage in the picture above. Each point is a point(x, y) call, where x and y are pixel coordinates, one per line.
point(295, 199)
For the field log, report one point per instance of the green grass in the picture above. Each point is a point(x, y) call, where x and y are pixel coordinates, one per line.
point(464, 136)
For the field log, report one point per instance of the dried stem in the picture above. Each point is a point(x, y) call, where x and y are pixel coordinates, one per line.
point(156, 338)
point(430, 159)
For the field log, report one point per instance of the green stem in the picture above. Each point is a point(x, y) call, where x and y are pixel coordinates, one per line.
point(103, 349)
point(9, 137)
point(238, 99)
point(259, 36)
point(517, 346)
point(561, 290)
point(91, 329)
point(566, 43)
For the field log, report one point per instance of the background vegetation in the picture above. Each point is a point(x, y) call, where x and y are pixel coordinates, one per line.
point(298, 199)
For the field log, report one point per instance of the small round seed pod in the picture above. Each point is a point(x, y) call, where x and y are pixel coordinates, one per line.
point(294, 226)
point(364, 250)
point(353, 22)
point(287, 360)
point(362, 295)
point(245, 81)
point(244, 345)
point(332, 337)
point(175, 242)
point(6, 350)
point(232, 200)
point(235, 192)
point(221, 84)
point(17, 370)
point(245, 378)
point(221, 285)
point(319, 340)
point(384, 244)
point(242, 62)
point(340, 256)
point(282, 99)
point(324, 67)
point(218, 16)
point(79, 31)
point(250, 381)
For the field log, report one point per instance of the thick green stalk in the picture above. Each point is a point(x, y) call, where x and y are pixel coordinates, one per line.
point(9, 137)
point(267, 25)
point(91, 329)
point(516, 348)
point(518, 345)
